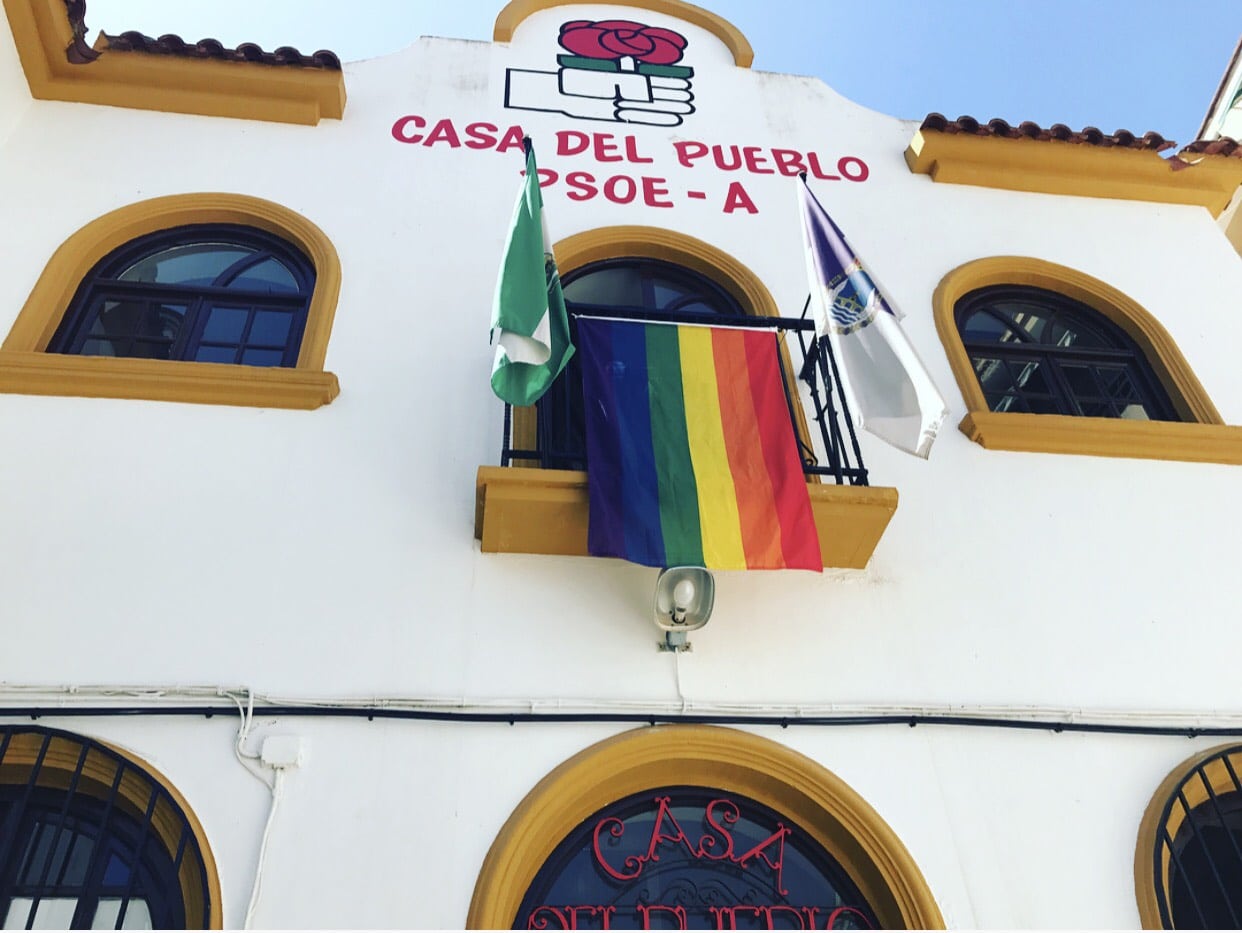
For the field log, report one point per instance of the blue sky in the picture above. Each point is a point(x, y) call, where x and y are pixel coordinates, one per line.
point(1116, 64)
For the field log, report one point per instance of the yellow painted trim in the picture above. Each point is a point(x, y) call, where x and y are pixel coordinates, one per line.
point(515, 11)
point(1146, 845)
point(146, 81)
point(26, 367)
point(1202, 436)
point(98, 775)
point(681, 249)
point(1105, 437)
point(1057, 167)
point(797, 787)
point(522, 510)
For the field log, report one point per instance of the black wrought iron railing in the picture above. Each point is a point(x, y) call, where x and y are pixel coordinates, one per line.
point(559, 433)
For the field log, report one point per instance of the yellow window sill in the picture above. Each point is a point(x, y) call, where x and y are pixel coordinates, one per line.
point(529, 511)
point(32, 373)
point(1105, 437)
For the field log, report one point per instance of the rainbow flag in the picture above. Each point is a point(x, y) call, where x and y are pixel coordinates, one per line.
point(691, 454)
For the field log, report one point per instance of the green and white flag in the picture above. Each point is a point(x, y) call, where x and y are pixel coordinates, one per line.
point(529, 324)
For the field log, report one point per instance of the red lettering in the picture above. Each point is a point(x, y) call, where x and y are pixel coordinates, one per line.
point(845, 164)
point(771, 912)
point(688, 151)
point(631, 151)
point(480, 135)
point(616, 182)
point(753, 159)
point(535, 922)
point(606, 911)
point(582, 186)
point(718, 155)
point(616, 829)
point(657, 837)
point(603, 146)
point(817, 171)
point(443, 132)
point(513, 139)
point(777, 837)
point(571, 142)
point(788, 161)
point(729, 816)
point(400, 129)
point(646, 910)
point(652, 191)
point(737, 197)
point(723, 918)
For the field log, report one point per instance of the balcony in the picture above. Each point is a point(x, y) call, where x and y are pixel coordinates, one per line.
point(536, 501)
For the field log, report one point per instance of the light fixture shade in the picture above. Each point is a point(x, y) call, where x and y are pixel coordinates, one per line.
point(683, 598)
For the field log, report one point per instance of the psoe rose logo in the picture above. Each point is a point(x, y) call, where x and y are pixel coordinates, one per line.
point(616, 70)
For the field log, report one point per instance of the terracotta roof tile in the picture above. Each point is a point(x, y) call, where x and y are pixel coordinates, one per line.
point(1221, 146)
point(213, 48)
point(80, 53)
point(1090, 136)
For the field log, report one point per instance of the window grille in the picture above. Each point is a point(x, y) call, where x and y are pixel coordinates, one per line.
point(1039, 352)
point(91, 840)
point(1198, 851)
point(205, 293)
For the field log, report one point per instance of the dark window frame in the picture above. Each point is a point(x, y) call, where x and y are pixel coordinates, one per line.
point(103, 284)
point(1114, 350)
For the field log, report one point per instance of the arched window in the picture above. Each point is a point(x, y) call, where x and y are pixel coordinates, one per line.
point(1188, 867)
point(1039, 352)
point(205, 293)
point(695, 858)
point(649, 287)
point(694, 827)
point(92, 840)
point(131, 298)
point(1053, 360)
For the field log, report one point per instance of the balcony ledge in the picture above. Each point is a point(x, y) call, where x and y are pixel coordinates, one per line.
point(519, 510)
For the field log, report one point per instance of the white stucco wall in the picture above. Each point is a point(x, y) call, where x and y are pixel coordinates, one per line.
point(330, 553)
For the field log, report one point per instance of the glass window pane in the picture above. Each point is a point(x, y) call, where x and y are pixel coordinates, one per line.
point(263, 357)
point(216, 355)
point(982, 327)
point(1080, 379)
point(137, 915)
point(618, 286)
point(270, 328)
point(1027, 319)
point(1135, 412)
point(226, 325)
point(192, 264)
point(268, 277)
point(53, 913)
point(993, 374)
point(104, 347)
point(150, 350)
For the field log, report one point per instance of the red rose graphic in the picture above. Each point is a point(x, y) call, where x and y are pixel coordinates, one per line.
point(618, 38)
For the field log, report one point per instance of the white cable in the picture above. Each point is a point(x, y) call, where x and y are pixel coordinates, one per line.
point(69, 697)
point(244, 758)
point(276, 785)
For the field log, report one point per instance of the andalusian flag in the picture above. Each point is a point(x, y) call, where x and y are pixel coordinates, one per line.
point(691, 453)
point(529, 325)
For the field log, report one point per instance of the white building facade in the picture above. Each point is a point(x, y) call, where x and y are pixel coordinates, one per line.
point(271, 533)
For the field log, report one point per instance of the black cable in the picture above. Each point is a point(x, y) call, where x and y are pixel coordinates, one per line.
point(652, 719)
